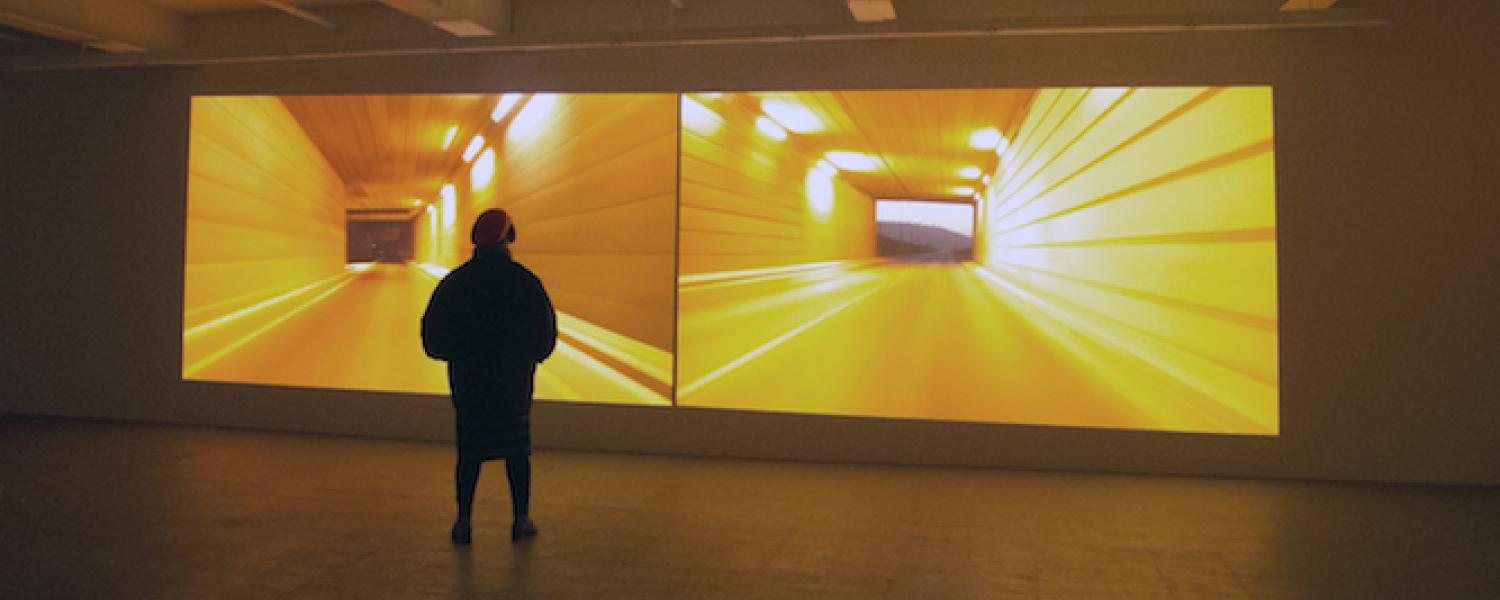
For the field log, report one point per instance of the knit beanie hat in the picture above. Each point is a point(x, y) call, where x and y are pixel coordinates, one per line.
point(492, 227)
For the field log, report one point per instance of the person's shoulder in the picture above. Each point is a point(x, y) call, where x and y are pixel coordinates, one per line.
point(525, 272)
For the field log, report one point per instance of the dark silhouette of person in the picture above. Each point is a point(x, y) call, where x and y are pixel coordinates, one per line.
point(492, 321)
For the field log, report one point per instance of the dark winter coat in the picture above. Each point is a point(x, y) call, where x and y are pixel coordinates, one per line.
point(492, 321)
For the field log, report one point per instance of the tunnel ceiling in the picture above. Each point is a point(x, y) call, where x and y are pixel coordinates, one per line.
point(921, 137)
point(390, 149)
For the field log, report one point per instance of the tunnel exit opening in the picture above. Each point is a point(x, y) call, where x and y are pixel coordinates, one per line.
point(932, 231)
point(378, 235)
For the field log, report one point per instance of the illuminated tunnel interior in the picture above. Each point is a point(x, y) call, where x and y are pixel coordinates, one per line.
point(318, 227)
point(1122, 272)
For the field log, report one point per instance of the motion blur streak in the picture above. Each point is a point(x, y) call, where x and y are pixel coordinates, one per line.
point(318, 227)
point(358, 334)
point(1123, 272)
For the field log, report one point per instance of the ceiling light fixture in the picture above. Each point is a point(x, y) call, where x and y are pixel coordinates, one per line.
point(852, 161)
point(794, 117)
point(507, 102)
point(448, 137)
point(985, 139)
point(969, 172)
point(475, 145)
point(770, 128)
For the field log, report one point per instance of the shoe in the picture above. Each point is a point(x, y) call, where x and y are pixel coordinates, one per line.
point(462, 534)
point(522, 529)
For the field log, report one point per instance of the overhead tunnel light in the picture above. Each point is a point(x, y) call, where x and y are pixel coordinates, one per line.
point(792, 116)
point(502, 108)
point(475, 145)
point(969, 172)
point(699, 118)
point(963, 190)
point(533, 118)
point(770, 128)
point(448, 137)
point(853, 161)
point(826, 167)
point(985, 139)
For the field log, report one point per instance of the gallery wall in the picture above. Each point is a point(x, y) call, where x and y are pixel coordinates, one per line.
point(1385, 221)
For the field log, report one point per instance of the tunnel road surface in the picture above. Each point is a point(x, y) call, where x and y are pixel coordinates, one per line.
point(903, 339)
point(365, 335)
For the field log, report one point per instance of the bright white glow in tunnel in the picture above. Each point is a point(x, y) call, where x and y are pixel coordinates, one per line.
point(1002, 145)
point(985, 139)
point(792, 116)
point(969, 172)
point(710, 95)
point(430, 215)
point(533, 117)
point(770, 129)
point(819, 187)
point(475, 145)
point(852, 161)
point(448, 137)
point(985, 179)
point(447, 213)
point(483, 171)
point(502, 108)
point(826, 167)
point(963, 190)
point(699, 118)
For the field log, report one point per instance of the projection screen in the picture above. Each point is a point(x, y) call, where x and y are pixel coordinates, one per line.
point(1086, 257)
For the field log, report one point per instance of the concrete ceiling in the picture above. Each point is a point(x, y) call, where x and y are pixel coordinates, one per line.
point(204, 31)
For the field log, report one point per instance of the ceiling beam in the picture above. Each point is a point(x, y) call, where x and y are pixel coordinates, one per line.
point(109, 25)
point(300, 13)
point(462, 18)
point(1293, 5)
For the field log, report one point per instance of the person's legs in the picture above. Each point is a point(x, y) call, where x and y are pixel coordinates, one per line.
point(518, 471)
point(465, 479)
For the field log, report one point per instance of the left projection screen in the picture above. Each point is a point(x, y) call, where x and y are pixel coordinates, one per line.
point(318, 226)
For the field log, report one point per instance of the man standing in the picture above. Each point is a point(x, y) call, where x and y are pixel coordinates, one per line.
point(492, 321)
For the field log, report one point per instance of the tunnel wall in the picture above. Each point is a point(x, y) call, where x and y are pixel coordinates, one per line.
point(265, 224)
point(747, 200)
point(1147, 218)
point(594, 200)
point(267, 212)
point(1385, 243)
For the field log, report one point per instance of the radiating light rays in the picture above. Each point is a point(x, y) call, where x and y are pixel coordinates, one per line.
point(1148, 214)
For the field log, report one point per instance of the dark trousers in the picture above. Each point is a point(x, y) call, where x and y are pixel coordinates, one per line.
point(517, 472)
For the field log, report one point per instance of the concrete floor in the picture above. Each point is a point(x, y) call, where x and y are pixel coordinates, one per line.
point(106, 510)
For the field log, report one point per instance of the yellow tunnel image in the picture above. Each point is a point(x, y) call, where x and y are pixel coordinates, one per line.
point(318, 227)
point(1114, 264)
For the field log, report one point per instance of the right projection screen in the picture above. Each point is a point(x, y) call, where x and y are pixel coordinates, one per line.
point(1096, 257)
